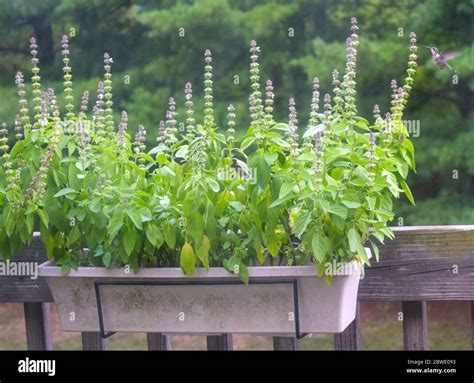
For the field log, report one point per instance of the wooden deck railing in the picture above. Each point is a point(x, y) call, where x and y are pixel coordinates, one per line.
point(421, 264)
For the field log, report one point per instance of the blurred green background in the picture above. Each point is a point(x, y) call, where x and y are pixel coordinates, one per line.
point(159, 45)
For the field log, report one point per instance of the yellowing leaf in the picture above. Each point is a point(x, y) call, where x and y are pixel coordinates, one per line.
point(187, 259)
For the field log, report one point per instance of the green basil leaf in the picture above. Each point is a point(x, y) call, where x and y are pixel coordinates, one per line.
point(302, 223)
point(170, 236)
point(129, 241)
point(202, 252)
point(65, 191)
point(354, 239)
point(153, 233)
point(407, 191)
point(116, 224)
point(320, 246)
point(136, 218)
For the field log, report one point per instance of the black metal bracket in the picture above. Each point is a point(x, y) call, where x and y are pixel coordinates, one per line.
point(274, 281)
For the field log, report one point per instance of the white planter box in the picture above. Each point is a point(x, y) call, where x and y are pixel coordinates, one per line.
point(158, 301)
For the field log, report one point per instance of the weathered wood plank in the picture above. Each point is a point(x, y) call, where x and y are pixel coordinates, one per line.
point(92, 341)
point(25, 289)
point(349, 339)
point(285, 343)
point(38, 326)
point(434, 287)
point(423, 263)
point(220, 342)
point(415, 325)
point(433, 229)
point(158, 341)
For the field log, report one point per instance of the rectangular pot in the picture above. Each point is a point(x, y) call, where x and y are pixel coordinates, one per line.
point(279, 300)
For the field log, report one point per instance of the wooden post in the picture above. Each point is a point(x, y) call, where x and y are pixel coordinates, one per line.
point(220, 342)
point(38, 326)
point(349, 339)
point(92, 341)
point(472, 324)
point(415, 325)
point(158, 341)
point(285, 343)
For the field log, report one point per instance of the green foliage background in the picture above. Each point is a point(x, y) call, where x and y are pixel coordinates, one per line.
point(299, 39)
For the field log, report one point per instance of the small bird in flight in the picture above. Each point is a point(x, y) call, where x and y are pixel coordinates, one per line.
point(441, 59)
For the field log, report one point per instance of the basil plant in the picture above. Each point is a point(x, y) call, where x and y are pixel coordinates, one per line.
point(204, 195)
